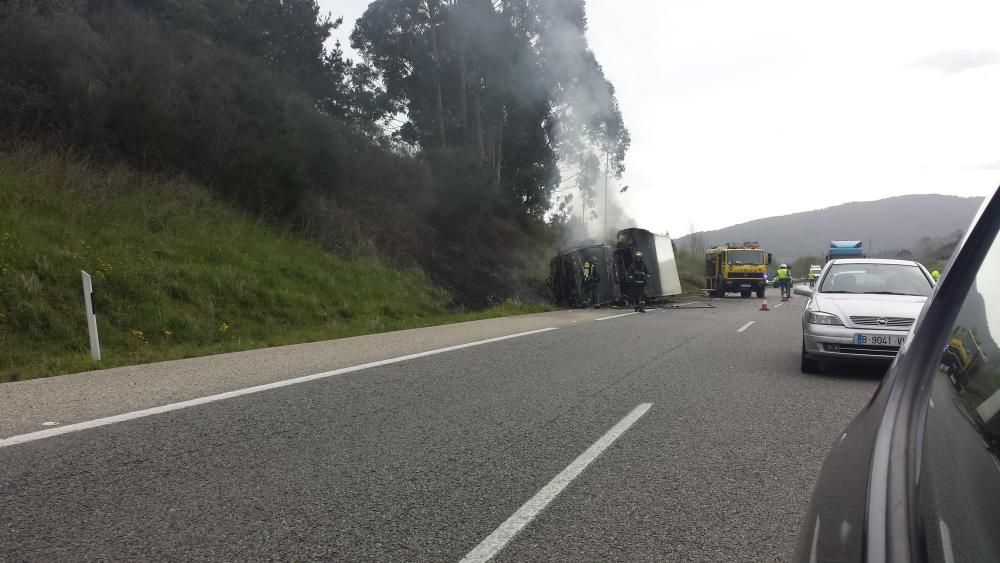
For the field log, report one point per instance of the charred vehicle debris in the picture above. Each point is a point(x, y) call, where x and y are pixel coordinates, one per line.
point(593, 273)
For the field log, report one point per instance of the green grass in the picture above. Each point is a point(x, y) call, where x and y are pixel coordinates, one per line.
point(691, 270)
point(176, 274)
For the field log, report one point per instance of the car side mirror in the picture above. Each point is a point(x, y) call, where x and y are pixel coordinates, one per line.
point(803, 291)
point(770, 257)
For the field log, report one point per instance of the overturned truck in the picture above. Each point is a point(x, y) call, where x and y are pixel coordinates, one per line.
point(566, 269)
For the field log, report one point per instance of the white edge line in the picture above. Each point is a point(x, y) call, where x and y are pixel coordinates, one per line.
point(746, 326)
point(616, 316)
point(495, 542)
point(41, 434)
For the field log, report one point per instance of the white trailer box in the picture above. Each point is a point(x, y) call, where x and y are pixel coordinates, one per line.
point(658, 250)
point(670, 280)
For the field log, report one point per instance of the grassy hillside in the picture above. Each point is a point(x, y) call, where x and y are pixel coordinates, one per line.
point(691, 270)
point(877, 223)
point(176, 274)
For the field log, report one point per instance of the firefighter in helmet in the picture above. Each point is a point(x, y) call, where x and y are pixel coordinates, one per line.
point(637, 275)
point(591, 279)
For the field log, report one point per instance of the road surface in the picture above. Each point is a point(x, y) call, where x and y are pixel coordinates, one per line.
point(681, 435)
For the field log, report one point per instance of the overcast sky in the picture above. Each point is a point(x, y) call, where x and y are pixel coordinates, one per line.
point(740, 110)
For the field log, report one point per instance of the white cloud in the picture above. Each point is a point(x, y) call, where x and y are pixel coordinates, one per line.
point(957, 60)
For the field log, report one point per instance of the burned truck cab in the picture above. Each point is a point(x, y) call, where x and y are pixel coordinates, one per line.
point(566, 274)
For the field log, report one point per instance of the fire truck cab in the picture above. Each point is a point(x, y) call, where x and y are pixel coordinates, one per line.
point(737, 268)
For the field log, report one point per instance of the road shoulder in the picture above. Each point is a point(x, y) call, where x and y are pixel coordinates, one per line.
point(26, 406)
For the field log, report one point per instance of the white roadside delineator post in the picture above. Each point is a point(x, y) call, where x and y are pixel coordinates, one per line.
point(88, 290)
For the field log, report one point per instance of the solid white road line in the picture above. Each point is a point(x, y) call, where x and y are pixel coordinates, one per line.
point(746, 326)
point(41, 434)
point(496, 541)
point(617, 316)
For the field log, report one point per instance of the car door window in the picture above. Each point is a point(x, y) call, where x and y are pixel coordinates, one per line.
point(960, 468)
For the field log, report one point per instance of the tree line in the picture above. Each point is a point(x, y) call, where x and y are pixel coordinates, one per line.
point(442, 146)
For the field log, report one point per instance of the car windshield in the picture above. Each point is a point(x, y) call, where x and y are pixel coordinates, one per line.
point(755, 257)
point(876, 278)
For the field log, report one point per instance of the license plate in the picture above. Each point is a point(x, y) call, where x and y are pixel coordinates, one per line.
point(879, 339)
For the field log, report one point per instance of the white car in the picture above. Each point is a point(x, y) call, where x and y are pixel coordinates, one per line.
point(861, 309)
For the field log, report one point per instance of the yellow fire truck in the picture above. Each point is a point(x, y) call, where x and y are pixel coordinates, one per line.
point(963, 357)
point(736, 267)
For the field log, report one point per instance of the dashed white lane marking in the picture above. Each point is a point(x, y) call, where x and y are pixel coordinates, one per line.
point(779, 304)
point(946, 548)
point(41, 434)
point(50, 423)
point(617, 316)
point(496, 541)
point(746, 326)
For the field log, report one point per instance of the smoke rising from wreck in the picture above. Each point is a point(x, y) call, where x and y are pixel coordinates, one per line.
point(511, 98)
point(590, 136)
point(590, 224)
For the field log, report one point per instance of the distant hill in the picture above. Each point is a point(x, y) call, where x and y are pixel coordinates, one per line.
point(890, 224)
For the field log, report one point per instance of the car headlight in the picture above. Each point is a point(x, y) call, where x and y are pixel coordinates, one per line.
point(820, 318)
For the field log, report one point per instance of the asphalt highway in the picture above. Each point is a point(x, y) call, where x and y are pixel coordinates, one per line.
point(679, 434)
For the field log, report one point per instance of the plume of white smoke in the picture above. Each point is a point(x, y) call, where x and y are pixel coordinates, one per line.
point(595, 221)
point(589, 134)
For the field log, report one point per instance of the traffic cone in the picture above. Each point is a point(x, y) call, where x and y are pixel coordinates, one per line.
point(763, 306)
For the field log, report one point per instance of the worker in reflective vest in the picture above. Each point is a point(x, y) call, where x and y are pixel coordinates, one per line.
point(785, 280)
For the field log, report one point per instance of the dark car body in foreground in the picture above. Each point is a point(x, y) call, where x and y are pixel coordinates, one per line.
point(916, 475)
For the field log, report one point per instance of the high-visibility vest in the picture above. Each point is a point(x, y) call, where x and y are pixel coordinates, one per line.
point(936, 275)
point(784, 273)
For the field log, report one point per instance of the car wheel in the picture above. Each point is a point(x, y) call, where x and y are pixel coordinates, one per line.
point(745, 293)
point(760, 292)
point(720, 289)
point(809, 365)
